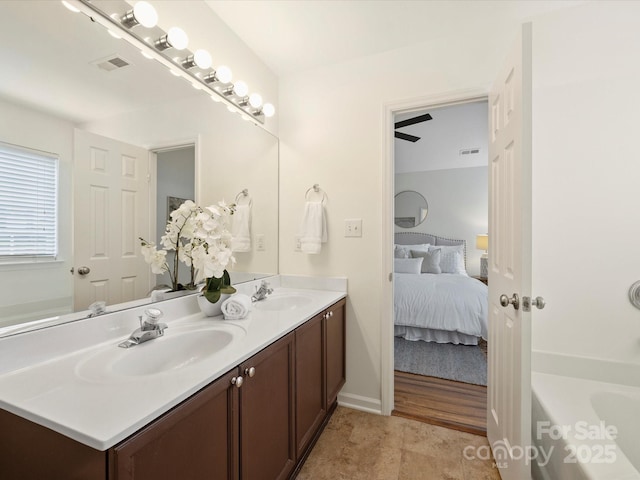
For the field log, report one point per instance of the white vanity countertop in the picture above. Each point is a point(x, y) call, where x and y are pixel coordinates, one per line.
point(101, 413)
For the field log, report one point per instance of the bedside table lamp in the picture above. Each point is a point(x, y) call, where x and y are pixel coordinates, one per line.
point(482, 243)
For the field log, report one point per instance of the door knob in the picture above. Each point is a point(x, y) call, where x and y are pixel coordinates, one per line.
point(82, 270)
point(250, 372)
point(506, 301)
point(537, 302)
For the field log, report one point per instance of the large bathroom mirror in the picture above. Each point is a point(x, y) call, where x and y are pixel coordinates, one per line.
point(63, 77)
point(411, 209)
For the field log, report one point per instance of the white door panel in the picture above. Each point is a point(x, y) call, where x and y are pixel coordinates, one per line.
point(509, 375)
point(111, 208)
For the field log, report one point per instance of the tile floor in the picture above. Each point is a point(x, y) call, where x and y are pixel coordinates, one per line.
point(357, 445)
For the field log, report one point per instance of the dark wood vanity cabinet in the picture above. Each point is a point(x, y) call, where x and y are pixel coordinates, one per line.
point(256, 422)
point(194, 441)
point(267, 421)
point(335, 350)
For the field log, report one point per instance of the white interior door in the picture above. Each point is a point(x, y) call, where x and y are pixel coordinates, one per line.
point(509, 391)
point(111, 211)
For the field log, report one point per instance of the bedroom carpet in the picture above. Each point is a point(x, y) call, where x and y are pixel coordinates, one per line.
point(462, 363)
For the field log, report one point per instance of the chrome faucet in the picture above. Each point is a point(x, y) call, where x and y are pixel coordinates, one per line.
point(262, 292)
point(149, 328)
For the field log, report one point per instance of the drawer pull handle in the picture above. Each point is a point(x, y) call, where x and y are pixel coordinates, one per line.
point(251, 371)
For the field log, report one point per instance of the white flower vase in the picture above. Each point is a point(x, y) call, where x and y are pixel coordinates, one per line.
point(212, 309)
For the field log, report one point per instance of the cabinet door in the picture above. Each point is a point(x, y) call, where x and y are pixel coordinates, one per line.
point(196, 440)
point(335, 350)
point(311, 406)
point(267, 436)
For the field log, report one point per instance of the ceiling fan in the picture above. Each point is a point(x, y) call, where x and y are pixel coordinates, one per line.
point(406, 123)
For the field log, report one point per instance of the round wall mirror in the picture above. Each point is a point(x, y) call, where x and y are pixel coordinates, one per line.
point(411, 209)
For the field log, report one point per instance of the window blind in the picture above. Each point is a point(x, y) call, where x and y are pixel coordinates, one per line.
point(28, 203)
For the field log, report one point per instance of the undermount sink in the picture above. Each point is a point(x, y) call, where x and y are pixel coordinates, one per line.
point(177, 349)
point(284, 301)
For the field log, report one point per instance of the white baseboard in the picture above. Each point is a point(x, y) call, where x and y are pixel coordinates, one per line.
point(358, 402)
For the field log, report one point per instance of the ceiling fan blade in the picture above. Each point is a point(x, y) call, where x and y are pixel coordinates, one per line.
point(406, 136)
point(413, 121)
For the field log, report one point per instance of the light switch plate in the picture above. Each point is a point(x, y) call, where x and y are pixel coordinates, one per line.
point(260, 242)
point(353, 227)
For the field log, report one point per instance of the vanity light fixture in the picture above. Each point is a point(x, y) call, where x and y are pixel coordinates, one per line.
point(200, 58)
point(174, 38)
point(222, 74)
point(255, 100)
point(268, 110)
point(216, 83)
point(143, 14)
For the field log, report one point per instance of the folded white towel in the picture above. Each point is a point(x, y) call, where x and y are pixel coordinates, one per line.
point(236, 307)
point(241, 229)
point(313, 229)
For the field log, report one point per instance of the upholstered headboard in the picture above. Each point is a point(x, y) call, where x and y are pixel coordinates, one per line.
point(417, 238)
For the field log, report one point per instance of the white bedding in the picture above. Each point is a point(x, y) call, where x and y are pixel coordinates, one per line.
point(447, 302)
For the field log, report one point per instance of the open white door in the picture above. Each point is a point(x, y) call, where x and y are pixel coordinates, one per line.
point(111, 210)
point(509, 375)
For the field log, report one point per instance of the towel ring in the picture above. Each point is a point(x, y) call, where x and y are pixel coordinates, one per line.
point(316, 189)
point(244, 194)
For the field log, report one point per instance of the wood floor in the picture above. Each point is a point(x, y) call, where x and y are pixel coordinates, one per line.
point(456, 405)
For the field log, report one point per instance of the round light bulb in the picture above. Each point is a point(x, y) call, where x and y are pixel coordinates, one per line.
point(255, 100)
point(224, 74)
point(268, 110)
point(145, 14)
point(202, 59)
point(177, 38)
point(240, 88)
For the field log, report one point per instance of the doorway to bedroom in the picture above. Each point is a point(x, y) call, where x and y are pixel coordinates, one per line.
point(440, 286)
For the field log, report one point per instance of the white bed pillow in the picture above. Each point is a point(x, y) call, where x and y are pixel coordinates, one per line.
point(404, 251)
point(407, 265)
point(431, 262)
point(451, 259)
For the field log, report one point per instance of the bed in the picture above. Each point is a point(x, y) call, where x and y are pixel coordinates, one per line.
point(434, 298)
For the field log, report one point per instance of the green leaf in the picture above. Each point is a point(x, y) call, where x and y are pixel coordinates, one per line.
point(212, 296)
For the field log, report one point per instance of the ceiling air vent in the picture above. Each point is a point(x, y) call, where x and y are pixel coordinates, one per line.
point(112, 62)
point(469, 151)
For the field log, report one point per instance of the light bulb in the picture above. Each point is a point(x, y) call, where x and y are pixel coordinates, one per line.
point(70, 7)
point(177, 38)
point(145, 14)
point(240, 88)
point(224, 74)
point(202, 59)
point(268, 110)
point(255, 100)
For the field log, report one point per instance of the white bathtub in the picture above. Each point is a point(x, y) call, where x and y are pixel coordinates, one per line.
point(585, 429)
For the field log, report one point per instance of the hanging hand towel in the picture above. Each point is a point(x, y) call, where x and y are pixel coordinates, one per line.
point(313, 230)
point(241, 229)
point(236, 307)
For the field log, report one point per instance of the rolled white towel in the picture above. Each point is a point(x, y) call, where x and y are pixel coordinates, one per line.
point(236, 307)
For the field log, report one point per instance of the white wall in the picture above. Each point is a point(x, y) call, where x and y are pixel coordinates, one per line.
point(586, 176)
point(331, 133)
point(458, 205)
point(53, 282)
